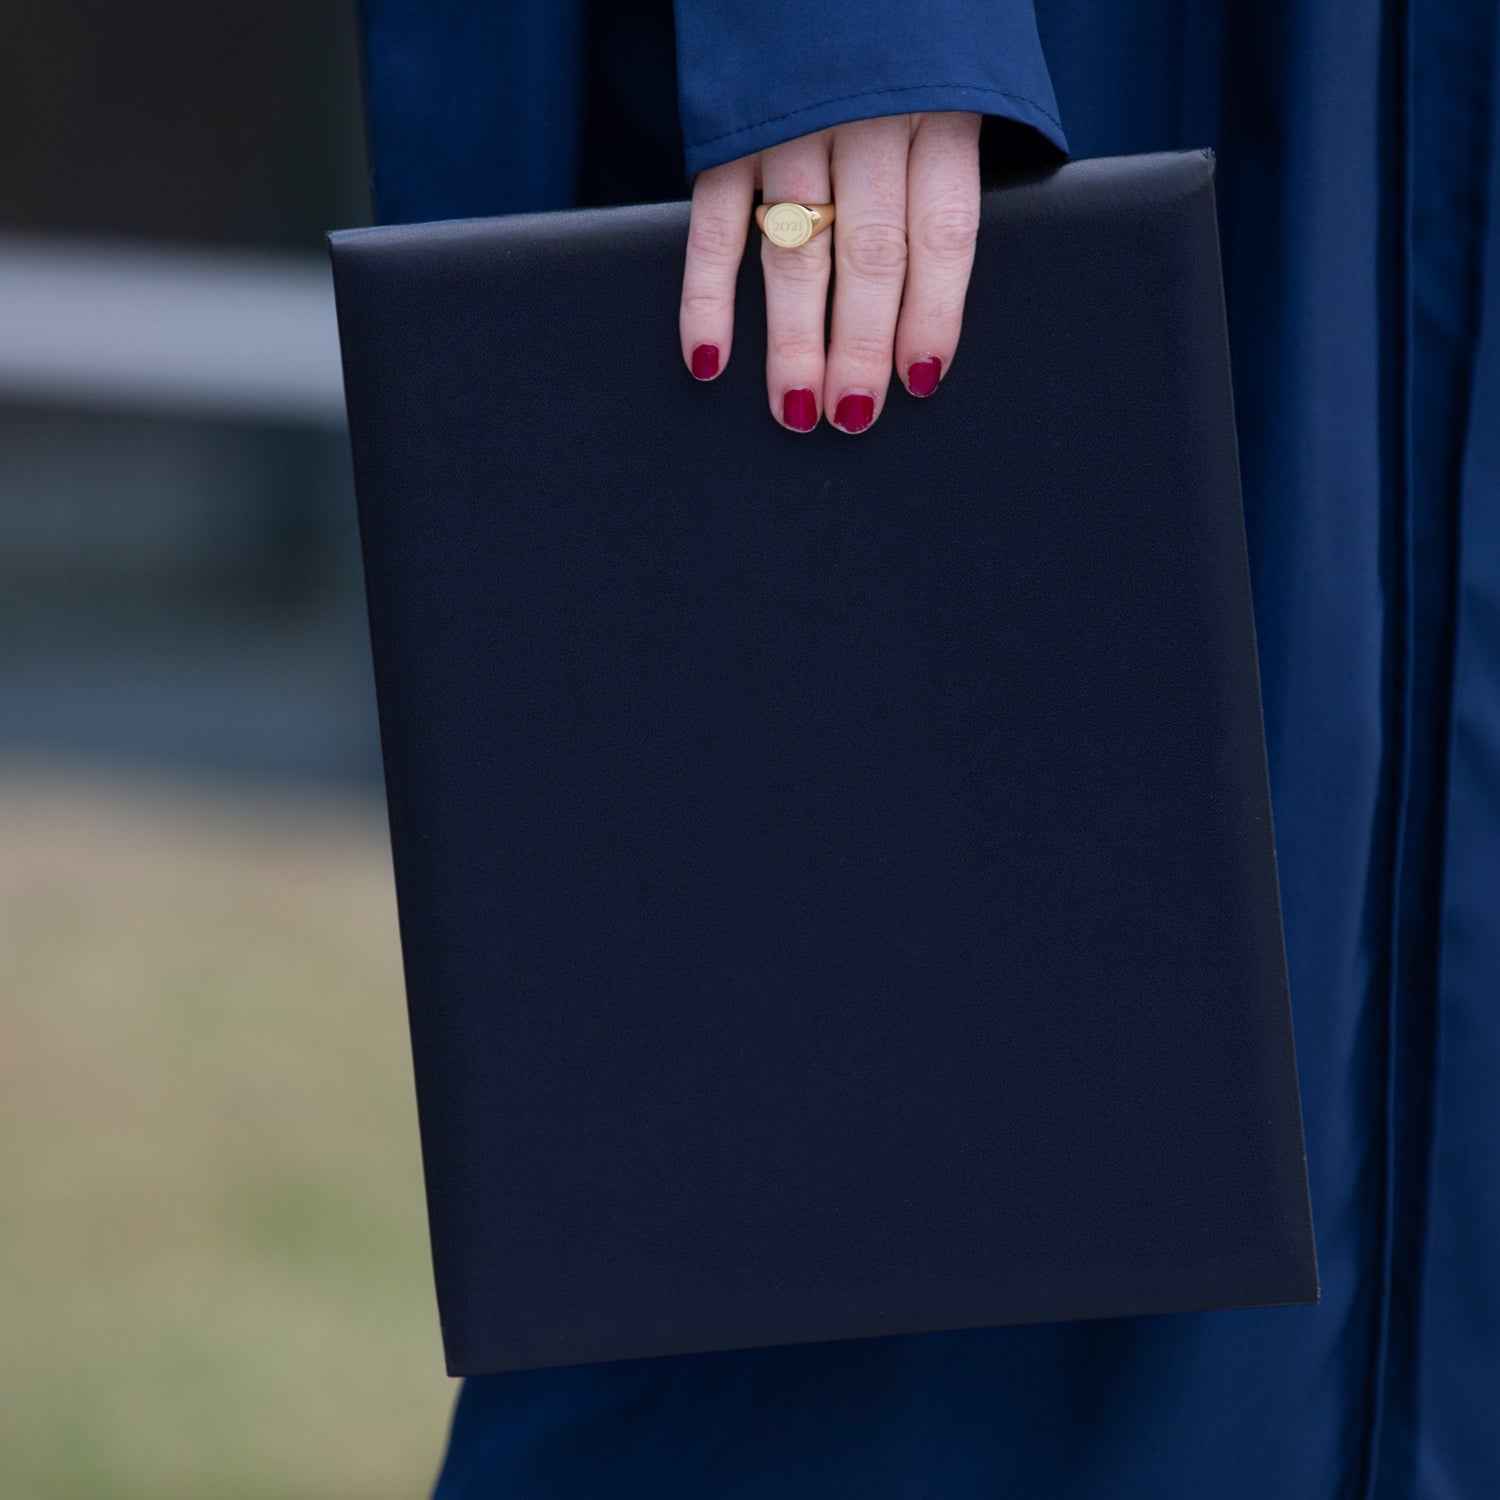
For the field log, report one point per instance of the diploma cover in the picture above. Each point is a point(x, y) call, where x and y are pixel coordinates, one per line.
point(836, 878)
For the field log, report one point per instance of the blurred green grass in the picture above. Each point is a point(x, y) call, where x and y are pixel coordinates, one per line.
point(214, 1274)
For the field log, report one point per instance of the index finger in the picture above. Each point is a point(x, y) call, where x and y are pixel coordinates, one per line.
point(717, 228)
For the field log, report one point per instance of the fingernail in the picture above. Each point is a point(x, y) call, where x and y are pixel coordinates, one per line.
point(922, 375)
point(799, 409)
point(854, 412)
point(705, 361)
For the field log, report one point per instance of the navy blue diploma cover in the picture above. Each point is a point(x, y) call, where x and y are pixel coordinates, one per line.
point(836, 878)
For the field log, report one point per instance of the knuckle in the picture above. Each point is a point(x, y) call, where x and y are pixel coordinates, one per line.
point(876, 252)
point(796, 348)
point(715, 241)
point(804, 266)
point(705, 306)
point(869, 351)
point(936, 308)
point(948, 233)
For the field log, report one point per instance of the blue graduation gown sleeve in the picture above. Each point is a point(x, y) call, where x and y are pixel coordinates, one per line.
point(754, 73)
point(480, 106)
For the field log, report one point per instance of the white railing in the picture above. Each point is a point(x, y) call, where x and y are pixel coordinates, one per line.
point(198, 333)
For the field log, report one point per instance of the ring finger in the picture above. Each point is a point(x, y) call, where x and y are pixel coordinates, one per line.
point(796, 285)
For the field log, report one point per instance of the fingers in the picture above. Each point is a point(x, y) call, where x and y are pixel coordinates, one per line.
point(869, 180)
point(901, 253)
point(942, 191)
point(717, 226)
point(796, 285)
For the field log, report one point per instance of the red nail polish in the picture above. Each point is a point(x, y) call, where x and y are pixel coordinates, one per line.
point(799, 409)
point(922, 375)
point(854, 412)
point(705, 361)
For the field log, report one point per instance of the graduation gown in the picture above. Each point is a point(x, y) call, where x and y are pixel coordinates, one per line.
point(1359, 183)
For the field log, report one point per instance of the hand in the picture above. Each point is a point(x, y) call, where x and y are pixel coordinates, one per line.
point(906, 189)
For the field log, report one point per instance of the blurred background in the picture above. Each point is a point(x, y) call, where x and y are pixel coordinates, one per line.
point(214, 1277)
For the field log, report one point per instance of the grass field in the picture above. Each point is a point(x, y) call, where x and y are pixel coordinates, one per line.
point(214, 1279)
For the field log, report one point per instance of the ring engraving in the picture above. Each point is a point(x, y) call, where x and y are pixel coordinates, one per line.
point(788, 225)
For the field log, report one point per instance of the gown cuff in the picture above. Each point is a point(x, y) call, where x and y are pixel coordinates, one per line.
point(752, 76)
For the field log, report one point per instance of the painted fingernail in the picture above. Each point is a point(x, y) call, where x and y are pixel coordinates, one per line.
point(799, 409)
point(922, 375)
point(705, 361)
point(854, 412)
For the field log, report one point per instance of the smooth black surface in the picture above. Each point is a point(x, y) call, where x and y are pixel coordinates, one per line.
point(836, 878)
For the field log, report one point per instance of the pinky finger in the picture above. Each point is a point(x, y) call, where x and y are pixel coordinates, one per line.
point(942, 197)
point(717, 229)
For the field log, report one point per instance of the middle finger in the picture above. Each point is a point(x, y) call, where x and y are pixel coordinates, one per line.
point(869, 253)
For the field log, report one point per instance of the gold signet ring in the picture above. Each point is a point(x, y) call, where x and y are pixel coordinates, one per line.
point(793, 224)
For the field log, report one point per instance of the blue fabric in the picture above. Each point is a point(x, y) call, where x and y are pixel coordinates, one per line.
point(480, 107)
point(751, 75)
point(1359, 151)
point(1450, 1440)
point(472, 106)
